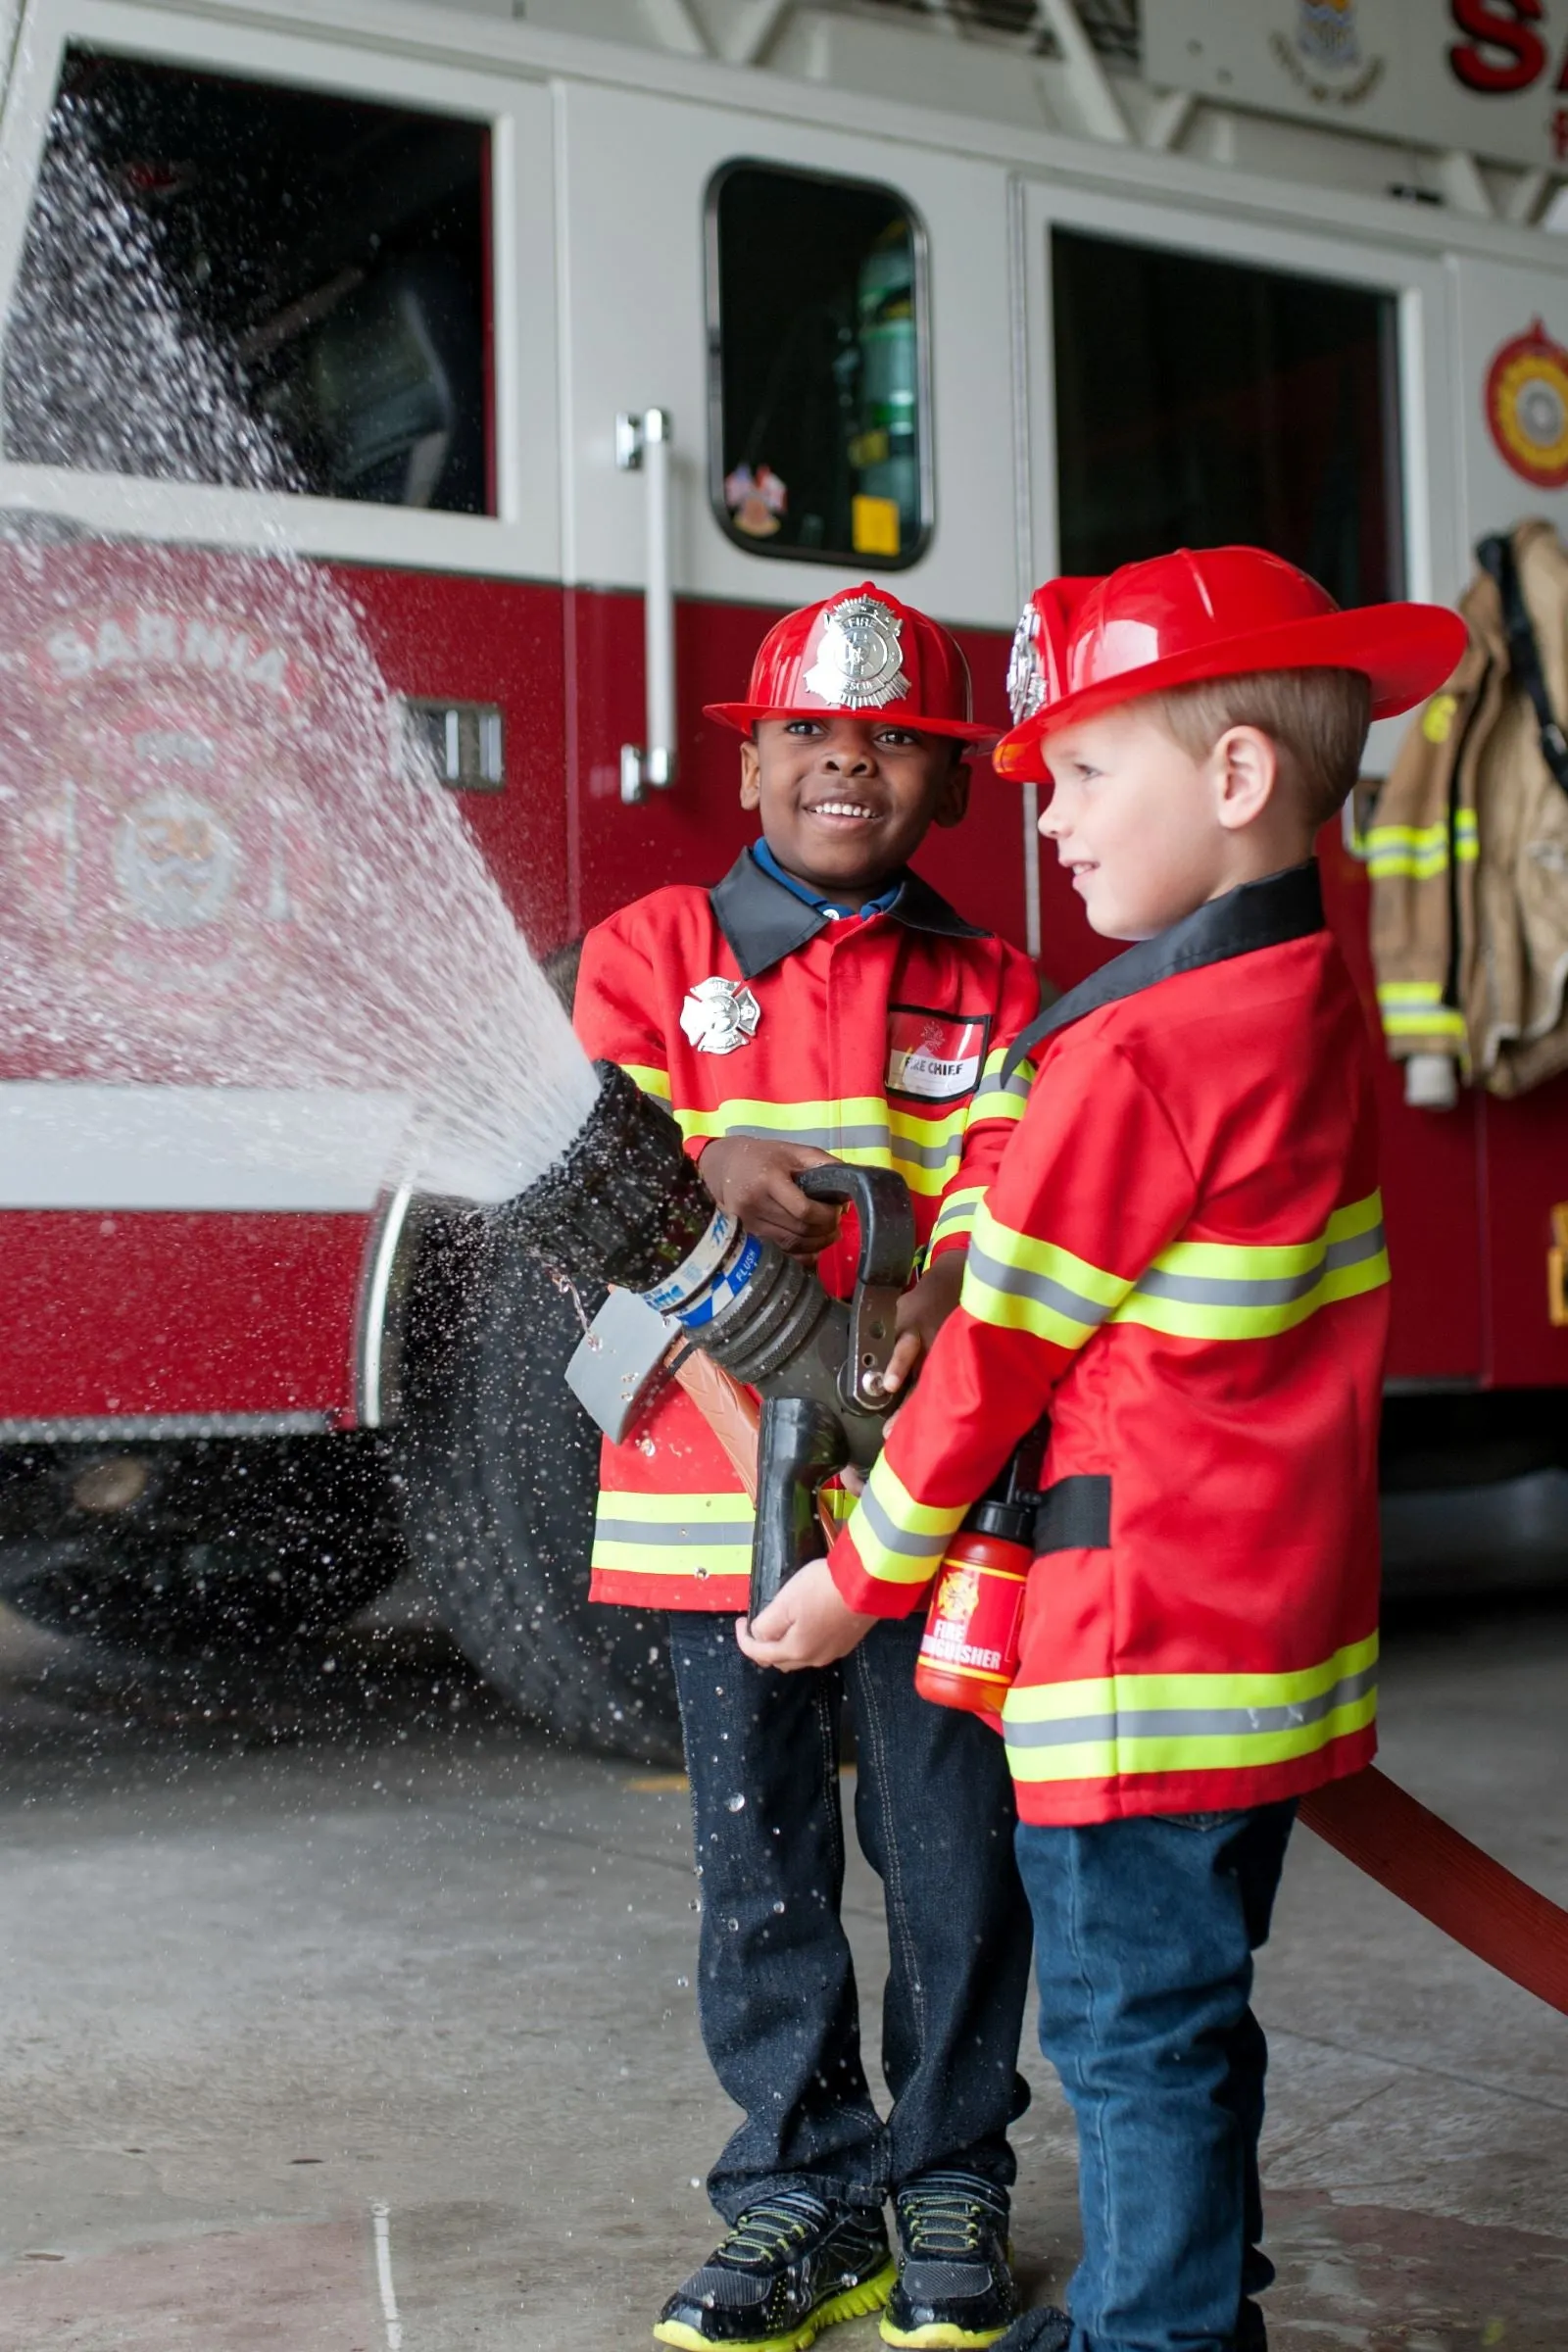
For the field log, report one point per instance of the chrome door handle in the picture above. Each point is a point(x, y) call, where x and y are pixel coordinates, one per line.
point(642, 446)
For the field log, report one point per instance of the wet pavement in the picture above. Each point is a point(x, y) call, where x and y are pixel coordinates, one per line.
point(345, 2014)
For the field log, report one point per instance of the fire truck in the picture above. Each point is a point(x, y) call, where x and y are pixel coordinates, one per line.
point(597, 333)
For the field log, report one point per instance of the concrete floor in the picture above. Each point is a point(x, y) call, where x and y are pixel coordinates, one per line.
point(350, 2017)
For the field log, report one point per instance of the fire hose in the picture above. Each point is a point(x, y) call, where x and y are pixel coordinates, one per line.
point(625, 1206)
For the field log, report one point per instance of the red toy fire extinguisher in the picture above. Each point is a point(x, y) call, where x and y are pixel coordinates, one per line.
point(969, 1654)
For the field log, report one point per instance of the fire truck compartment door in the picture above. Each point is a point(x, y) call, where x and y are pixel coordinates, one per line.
point(184, 1255)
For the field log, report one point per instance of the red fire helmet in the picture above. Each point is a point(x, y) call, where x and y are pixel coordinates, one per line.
point(860, 654)
point(1085, 644)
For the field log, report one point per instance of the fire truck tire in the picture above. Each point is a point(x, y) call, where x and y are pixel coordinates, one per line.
point(499, 1477)
point(237, 1550)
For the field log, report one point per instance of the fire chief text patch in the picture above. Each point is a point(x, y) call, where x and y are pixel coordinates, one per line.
point(935, 1056)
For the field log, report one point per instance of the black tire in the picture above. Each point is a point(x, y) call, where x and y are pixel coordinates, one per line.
point(500, 1474)
point(238, 1550)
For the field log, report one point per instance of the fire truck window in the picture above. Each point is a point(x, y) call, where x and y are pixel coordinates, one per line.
point(1201, 403)
point(817, 330)
point(239, 282)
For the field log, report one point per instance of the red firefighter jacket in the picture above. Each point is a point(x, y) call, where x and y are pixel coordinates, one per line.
point(878, 1039)
point(1181, 1257)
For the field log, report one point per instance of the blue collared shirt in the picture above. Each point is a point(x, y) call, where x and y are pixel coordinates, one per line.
point(771, 866)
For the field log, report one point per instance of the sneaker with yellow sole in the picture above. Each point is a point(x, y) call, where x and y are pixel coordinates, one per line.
point(790, 2266)
point(955, 2285)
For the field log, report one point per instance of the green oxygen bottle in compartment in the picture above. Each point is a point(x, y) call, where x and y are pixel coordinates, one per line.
point(884, 450)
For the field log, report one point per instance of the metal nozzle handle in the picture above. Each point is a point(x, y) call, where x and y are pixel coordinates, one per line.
point(881, 1202)
point(801, 1444)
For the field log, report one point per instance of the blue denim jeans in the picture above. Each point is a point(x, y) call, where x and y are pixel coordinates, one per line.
point(777, 1991)
point(1145, 1934)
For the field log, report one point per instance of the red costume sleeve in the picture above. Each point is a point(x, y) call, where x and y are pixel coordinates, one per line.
point(1094, 1184)
point(996, 1110)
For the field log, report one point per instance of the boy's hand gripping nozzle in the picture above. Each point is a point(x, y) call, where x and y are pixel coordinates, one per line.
point(625, 1206)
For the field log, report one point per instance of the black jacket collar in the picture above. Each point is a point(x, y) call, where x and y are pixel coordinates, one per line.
point(765, 922)
point(1257, 915)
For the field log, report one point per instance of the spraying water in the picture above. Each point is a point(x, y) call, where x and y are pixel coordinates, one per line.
point(232, 864)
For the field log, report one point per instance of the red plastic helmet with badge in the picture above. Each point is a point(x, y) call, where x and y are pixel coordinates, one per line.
point(860, 654)
point(1084, 646)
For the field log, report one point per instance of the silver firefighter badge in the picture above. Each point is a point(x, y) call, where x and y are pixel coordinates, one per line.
point(859, 657)
point(1026, 669)
point(719, 1015)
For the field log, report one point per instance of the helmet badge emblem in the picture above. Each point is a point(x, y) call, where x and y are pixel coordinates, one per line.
point(1026, 670)
point(718, 1015)
point(859, 657)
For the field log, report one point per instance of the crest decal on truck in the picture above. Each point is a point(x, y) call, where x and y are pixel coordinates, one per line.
point(859, 657)
point(1527, 407)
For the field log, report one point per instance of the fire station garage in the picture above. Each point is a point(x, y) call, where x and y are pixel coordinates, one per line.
point(758, 1324)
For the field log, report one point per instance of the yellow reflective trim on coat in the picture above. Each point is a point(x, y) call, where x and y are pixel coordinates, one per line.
point(1219, 1291)
point(651, 1082)
point(1415, 1009)
point(1018, 1283)
point(998, 1097)
point(899, 1540)
point(1420, 853)
point(673, 1535)
point(1124, 1725)
point(862, 1129)
point(957, 1212)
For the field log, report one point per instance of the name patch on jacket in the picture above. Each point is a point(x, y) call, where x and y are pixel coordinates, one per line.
point(935, 1056)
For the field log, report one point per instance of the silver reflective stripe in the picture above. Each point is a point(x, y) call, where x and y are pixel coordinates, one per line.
point(1014, 1089)
point(673, 1531)
point(897, 1538)
point(1192, 1722)
point(1018, 1283)
point(1280, 1290)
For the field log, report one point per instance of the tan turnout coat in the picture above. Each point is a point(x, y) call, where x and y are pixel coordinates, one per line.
point(1468, 852)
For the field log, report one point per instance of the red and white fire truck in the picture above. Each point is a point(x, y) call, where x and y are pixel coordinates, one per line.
point(597, 332)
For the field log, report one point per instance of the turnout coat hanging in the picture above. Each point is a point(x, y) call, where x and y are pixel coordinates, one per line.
point(747, 1011)
point(1468, 845)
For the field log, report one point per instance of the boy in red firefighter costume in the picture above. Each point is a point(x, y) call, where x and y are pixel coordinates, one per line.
point(1181, 1258)
point(824, 1001)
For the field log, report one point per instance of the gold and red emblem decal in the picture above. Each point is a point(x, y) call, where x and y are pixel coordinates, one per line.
point(1527, 407)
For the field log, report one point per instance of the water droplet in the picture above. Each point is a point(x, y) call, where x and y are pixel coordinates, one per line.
point(734, 1805)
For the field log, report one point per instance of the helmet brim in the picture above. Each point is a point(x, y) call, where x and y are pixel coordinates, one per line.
point(1405, 652)
point(743, 718)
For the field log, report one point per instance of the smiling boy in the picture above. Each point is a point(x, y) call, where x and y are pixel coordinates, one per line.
point(822, 1001)
point(1181, 1258)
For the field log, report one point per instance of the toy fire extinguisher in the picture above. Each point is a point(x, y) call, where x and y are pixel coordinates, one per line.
point(969, 1654)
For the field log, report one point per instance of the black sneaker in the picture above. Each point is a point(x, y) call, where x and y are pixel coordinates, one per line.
point(789, 2267)
point(1044, 2330)
point(955, 2285)
point(1251, 2333)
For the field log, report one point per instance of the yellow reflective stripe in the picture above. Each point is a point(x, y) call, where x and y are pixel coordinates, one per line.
point(859, 1128)
point(1415, 1009)
point(1421, 851)
point(900, 1540)
point(996, 1097)
point(1222, 1291)
point(957, 1212)
point(673, 1535)
point(1128, 1724)
point(1017, 1283)
point(651, 1082)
